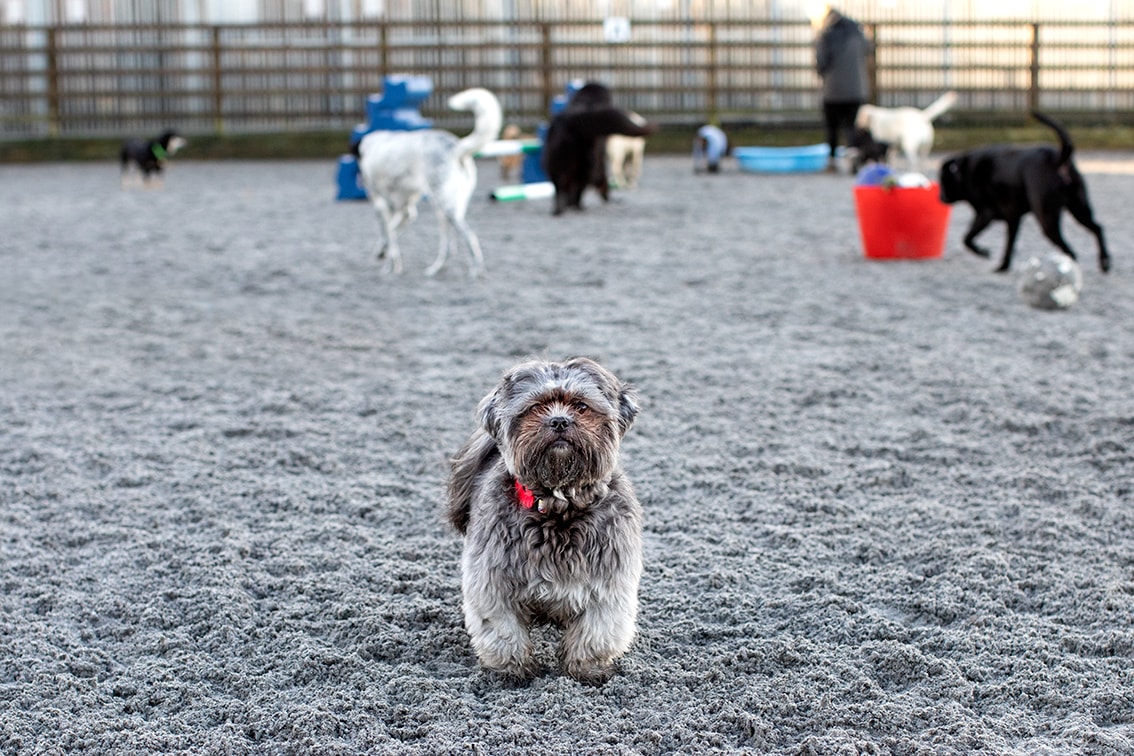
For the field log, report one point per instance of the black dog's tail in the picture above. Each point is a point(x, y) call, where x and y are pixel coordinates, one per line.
point(1066, 145)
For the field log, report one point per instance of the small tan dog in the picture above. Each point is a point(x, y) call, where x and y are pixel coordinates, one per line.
point(511, 164)
point(624, 156)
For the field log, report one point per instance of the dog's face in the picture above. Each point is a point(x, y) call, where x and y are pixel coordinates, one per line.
point(171, 142)
point(952, 180)
point(559, 424)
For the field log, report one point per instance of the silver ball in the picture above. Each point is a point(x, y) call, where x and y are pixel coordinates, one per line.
point(1051, 282)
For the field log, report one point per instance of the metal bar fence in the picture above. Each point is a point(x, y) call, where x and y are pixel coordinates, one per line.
point(96, 80)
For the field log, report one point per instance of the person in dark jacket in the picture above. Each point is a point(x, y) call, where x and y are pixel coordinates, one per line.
point(840, 57)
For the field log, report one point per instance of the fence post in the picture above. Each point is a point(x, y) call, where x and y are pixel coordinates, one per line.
point(1034, 69)
point(53, 125)
point(383, 56)
point(714, 95)
point(872, 62)
point(545, 65)
point(218, 83)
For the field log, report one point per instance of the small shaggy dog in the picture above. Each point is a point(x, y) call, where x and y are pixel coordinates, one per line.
point(399, 167)
point(552, 527)
point(574, 150)
point(1006, 183)
point(147, 156)
point(909, 129)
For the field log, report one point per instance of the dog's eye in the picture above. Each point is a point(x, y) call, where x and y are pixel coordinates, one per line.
point(581, 406)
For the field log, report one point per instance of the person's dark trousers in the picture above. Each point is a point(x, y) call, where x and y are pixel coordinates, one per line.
point(839, 116)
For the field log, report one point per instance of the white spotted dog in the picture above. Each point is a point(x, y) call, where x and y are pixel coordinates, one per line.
point(399, 167)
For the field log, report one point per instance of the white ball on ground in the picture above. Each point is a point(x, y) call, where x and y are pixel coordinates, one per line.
point(1051, 282)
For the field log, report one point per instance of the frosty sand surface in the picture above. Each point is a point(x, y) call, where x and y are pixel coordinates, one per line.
point(887, 505)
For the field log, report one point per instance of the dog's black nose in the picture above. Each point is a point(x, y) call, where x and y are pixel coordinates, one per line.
point(559, 423)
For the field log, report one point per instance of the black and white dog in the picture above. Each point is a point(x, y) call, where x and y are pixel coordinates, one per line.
point(1006, 183)
point(148, 156)
point(866, 150)
point(574, 151)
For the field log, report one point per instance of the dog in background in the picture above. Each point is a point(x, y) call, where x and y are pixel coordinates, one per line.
point(908, 129)
point(551, 525)
point(146, 157)
point(510, 165)
point(574, 151)
point(1006, 183)
point(399, 167)
point(865, 150)
point(625, 156)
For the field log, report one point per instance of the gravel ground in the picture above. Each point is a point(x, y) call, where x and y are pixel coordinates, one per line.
point(888, 506)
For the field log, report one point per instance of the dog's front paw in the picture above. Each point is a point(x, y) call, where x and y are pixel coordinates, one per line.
point(518, 672)
point(515, 664)
point(589, 672)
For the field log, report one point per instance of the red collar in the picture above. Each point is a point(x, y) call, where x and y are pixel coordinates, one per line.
point(525, 495)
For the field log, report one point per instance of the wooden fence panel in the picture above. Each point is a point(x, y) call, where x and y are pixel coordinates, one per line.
point(109, 80)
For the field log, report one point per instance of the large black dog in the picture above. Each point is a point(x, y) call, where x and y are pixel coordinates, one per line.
point(575, 147)
point(148, 155)
point(1006, 183)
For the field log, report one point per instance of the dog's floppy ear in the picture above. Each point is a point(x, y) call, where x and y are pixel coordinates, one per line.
point(475, 456)
point(488, 410)
point(628, 408)
point(621, 395)
point(952, 179)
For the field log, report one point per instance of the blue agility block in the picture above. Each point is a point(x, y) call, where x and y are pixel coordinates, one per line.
point(395, 109)
point(350, 186)
point(401, 119)
point(531, 169)
point(398, 107)
point(403, 90)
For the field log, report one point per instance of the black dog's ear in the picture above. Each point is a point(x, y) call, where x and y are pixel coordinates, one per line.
point(952, 180)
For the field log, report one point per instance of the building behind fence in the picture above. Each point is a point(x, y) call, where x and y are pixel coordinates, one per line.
point(112, 68)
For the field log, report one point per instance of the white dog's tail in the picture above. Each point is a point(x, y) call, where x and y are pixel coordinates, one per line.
point(489, 118)
point(939, 106)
